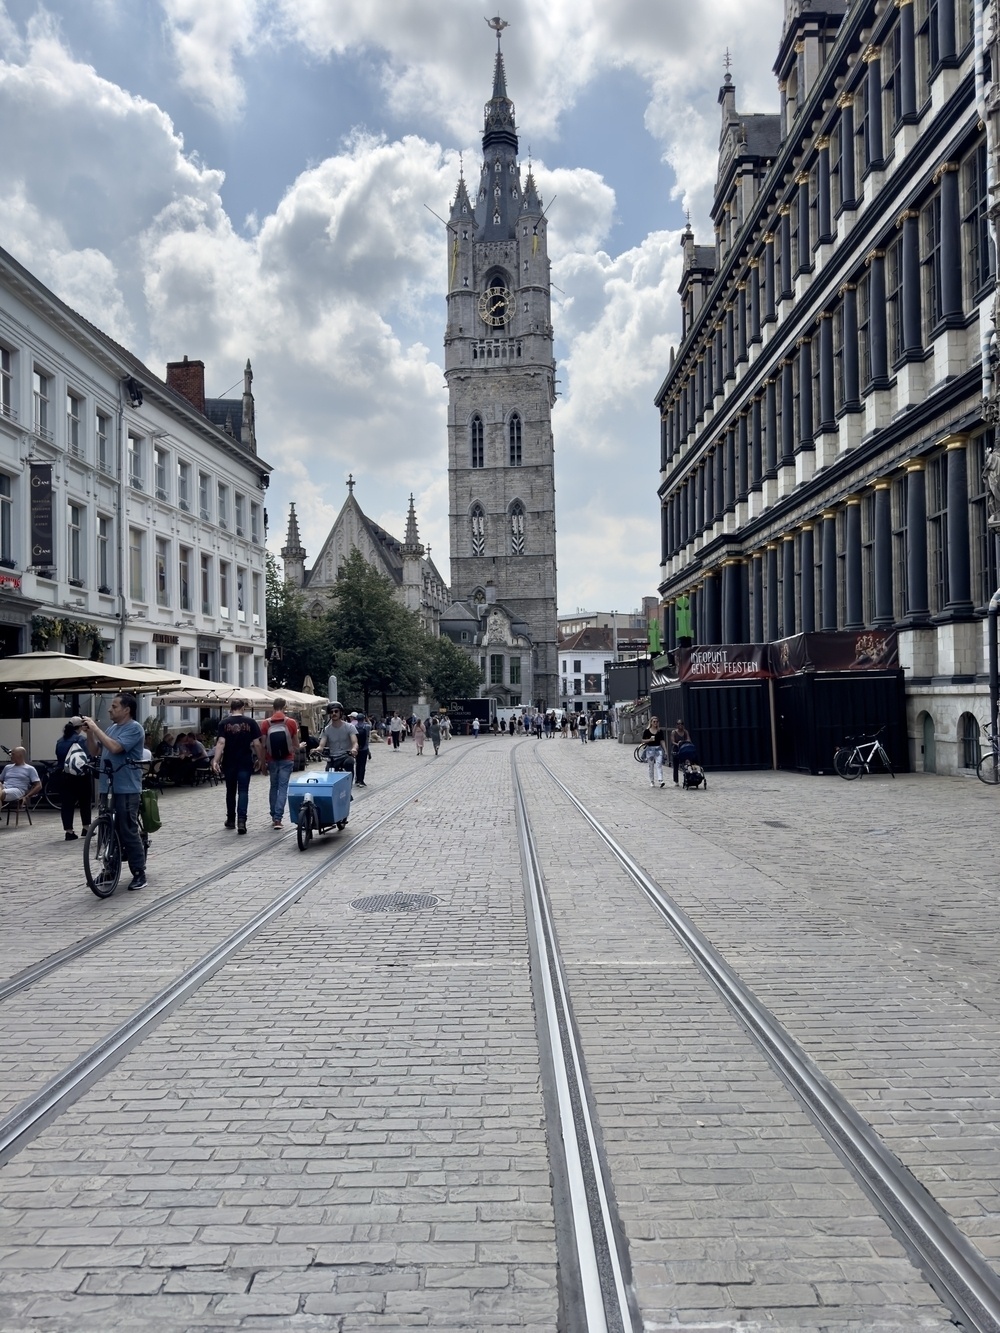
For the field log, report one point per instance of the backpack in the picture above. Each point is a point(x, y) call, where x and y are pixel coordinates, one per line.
point(76, 760)
point(277, 741)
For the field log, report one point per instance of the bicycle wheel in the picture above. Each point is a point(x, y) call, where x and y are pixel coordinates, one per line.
point(988, 769)
point(304, 825)
point(848, 764)
point(52, 791)
point(102, 856)
point(883, 754)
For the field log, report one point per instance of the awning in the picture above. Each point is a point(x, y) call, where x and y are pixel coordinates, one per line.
point(63, 673)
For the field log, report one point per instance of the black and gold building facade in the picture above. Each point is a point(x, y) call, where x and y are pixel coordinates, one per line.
point(823, 446)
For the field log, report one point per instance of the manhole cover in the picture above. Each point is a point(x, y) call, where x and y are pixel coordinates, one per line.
point(395, 902)
point(775, 823)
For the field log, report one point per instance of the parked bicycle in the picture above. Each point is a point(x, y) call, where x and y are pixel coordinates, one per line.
point(855, 757)
point(102, 847)
point(988, 768)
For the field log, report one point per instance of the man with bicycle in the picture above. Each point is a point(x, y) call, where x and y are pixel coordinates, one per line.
point(121, 747)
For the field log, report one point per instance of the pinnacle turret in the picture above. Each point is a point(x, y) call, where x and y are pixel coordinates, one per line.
point(411, 543)
point(293, 548)
point(461, 209)
point(532, 201)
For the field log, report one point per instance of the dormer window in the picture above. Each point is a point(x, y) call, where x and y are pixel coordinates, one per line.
point(497, 169)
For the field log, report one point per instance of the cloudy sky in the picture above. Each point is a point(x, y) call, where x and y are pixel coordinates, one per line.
point(227, 179)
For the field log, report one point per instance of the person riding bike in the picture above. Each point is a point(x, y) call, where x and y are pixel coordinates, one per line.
point(340, 739)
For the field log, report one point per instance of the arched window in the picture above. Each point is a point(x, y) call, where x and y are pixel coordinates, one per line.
point(968, 734)
point(514, 439)
point(479, 596)
point(477, 520)
point(476, 440)
point(517, 528)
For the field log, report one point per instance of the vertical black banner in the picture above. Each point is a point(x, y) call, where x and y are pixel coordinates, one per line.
point(42, 554)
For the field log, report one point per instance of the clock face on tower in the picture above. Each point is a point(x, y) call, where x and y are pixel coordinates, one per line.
point(496, 306)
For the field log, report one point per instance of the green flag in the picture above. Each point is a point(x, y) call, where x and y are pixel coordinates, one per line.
point(682, 617)
point(654, 637)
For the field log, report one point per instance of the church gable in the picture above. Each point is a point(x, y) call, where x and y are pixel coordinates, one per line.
point(350, 532)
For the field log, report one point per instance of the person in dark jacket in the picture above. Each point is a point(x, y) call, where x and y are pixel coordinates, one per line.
point(77, 788)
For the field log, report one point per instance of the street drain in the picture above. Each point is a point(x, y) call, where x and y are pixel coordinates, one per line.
point(395, 902)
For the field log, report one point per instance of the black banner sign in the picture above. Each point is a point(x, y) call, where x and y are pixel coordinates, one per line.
point(836, 650)
point(42, 553)
point(731, 661)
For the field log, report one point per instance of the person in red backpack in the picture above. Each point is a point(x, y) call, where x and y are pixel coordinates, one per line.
point(279, 736)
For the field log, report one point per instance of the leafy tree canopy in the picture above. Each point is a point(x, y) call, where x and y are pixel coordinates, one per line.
point(303, 642)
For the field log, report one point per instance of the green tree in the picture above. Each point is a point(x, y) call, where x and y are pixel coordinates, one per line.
point(450, 673)
point(379, 645)
point(298, 645)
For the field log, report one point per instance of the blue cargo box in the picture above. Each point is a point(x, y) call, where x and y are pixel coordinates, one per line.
point(331, 793)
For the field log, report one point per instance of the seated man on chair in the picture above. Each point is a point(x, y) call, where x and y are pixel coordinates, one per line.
point(18, 781)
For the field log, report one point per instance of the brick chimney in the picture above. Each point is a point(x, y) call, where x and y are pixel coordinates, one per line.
point(188, 379)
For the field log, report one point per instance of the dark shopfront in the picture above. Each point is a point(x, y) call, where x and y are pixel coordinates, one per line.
point(797, 698)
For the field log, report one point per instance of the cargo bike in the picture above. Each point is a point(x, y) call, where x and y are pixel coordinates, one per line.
point(319, 802)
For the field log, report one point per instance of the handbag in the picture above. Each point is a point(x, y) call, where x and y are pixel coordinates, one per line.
point(149, 807)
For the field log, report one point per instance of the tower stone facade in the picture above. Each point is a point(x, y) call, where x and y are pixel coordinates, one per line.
point(500, 372)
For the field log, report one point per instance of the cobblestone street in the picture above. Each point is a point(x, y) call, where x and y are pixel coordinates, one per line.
point(345, 1127)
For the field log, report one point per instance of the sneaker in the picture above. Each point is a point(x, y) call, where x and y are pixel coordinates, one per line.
point(276, 823)
point(663, 784)
point(138, 881)
point(230, 823)
point(361, 784)
point(70, 836)
point(241, 828)
point(84, 831)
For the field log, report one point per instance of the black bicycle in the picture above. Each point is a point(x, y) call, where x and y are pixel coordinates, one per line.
point(102, 846)
point(988, 768)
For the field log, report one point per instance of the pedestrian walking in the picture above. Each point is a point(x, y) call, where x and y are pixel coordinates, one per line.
point(564, 727)
point(581, 727)
point(436, 735)
point(396, 728)
point(75, 785)
point(475, 726)
point(121, 746)
point(678, 736)
point(237, 744)
point(655, 739)
point(419, 735)
point(279, 737)
point(364, 729)
point(446, 727)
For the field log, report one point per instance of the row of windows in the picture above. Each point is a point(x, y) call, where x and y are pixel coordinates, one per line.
point(89, 435)
point(855, 143)
point(872, 333)
point(982, 552)
point(515, 529)
point(477, 453)
point(496, 669)
point(231, 590)
point(215, 666)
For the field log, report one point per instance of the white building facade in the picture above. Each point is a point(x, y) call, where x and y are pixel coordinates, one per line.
point(583, 661)
point(132, 525)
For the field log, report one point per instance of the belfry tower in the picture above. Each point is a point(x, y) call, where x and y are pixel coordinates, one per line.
point(501, 387)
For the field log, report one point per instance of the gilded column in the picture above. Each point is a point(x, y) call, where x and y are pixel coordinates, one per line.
point(917, 610)
point(829, 570)
point(854, 590)
point(883, 555)
point(787, 585)
point(807, 559)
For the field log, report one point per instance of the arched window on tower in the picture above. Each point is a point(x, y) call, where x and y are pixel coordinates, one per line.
point(477, 520)
point(517, 528)
point(476, 440)
point(514, 440)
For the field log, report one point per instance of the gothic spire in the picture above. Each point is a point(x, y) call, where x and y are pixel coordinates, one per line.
point(462, 208)
point(532, 201)
point(498, 127)
point(412, 540)
point(293, 548)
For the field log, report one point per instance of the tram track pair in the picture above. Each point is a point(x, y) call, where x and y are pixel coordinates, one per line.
point(28, 1119)
point(598, 1263)
point(36, 971)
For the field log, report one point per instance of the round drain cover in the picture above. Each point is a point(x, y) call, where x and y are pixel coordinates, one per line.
point(395, 902)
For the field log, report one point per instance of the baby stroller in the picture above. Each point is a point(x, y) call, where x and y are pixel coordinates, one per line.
point(691, 771)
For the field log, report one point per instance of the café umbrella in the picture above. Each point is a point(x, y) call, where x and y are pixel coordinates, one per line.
point(62, 673)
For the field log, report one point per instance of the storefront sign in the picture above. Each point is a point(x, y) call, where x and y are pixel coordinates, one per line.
point(731, 661)
point(10, 582)
point(42, 553)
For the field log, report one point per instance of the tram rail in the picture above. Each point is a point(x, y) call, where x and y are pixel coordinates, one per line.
point(27, 1119)
point(35, 972)
point(950, 1262)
